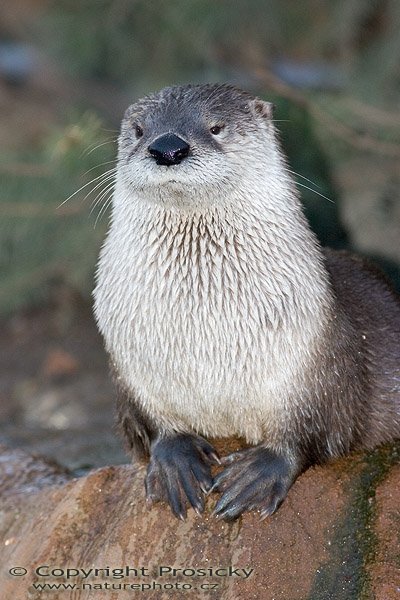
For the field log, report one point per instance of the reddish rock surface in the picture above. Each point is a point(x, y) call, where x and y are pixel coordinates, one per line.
point(332, 539)
point(307, 550)
point(385, 568)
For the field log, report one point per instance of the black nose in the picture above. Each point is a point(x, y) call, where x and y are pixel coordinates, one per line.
point(169, 149)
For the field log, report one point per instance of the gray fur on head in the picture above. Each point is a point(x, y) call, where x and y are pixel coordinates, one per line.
point(215, 161)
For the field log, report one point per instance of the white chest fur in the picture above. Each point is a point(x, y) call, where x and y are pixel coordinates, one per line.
point(208, 319)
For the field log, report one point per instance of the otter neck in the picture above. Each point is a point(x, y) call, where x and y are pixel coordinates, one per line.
point(234, 248)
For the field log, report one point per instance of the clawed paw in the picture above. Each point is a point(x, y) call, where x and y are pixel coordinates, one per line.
point(179, 472)
point(254, 479)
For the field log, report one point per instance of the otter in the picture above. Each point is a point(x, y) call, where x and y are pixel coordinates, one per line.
point(223, 316)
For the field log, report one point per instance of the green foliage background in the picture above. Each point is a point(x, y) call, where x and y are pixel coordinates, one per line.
point(45, 241)
point(132, 47)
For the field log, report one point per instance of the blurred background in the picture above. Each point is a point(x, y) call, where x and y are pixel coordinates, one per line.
point(68, 70)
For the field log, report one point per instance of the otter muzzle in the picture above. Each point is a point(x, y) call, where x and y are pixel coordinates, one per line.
point(169, 149)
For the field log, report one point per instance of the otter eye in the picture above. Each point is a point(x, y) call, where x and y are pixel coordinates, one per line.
point(216, 129)
point(138, 131)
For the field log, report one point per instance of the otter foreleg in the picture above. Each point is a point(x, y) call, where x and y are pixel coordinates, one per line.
point(254, 479)
point(179, 467)
point(179, 471)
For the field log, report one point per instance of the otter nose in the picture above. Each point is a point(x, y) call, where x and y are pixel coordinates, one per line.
point(169, 149)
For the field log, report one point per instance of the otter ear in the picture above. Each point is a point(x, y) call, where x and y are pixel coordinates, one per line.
point(263, 109)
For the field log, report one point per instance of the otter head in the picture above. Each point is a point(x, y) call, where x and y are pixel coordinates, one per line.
point(194, 144)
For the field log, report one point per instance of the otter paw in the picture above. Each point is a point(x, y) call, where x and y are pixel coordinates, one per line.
point(255, 479)
point(179, 472)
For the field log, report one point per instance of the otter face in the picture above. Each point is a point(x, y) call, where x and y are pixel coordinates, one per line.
point(187, 139)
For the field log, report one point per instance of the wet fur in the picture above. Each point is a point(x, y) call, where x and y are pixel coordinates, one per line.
point(368, 401)
point(221, 313)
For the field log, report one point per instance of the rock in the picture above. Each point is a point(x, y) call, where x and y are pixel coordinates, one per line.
point(309, 549)
point(21, 473)
point(385, 568)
